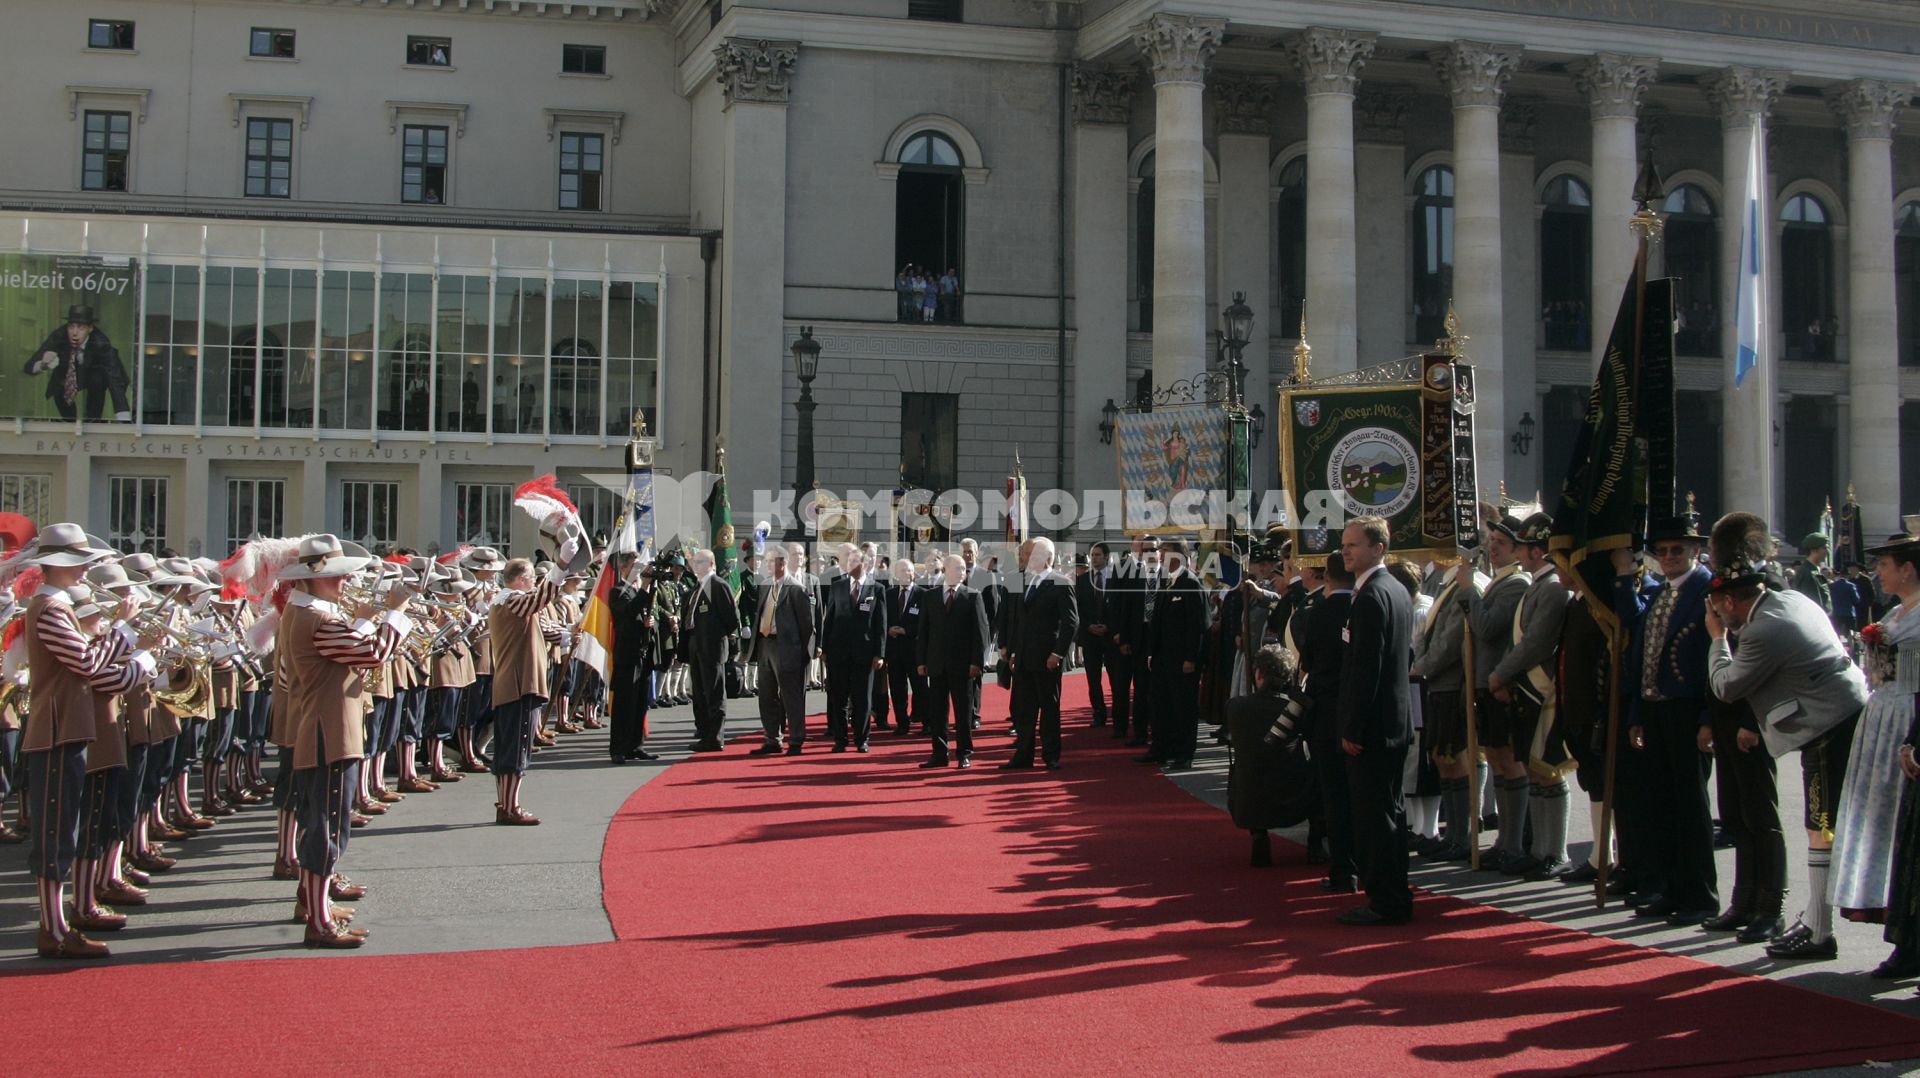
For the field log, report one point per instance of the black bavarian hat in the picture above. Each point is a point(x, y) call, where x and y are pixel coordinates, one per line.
point(1675, 528)
point(1897, 544)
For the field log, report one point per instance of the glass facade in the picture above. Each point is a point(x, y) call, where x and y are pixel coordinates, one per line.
point(348, 350)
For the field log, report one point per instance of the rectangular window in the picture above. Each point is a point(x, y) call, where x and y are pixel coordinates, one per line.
point(31, 496)
point(277, 44)
point(269, 158)
point(519, 355)
point(103, 161)
point(599, 508)
point(633, 356)
point(581, 166)
point(405, 334)
point(930, 439)
point(423, 164)
point(169, 362)
point(255, 508)
point(137, 514)
point(109, 34)
point(583, 59)
point(576, 369)
point(287, 352)
point(369, 512)
point(480, 513)
point(430, 51)
point(461, 400)
point(936, 10)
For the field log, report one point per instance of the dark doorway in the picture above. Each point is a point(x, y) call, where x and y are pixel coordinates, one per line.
point(1807, 455)
point(930, 440)
point(1561, 413)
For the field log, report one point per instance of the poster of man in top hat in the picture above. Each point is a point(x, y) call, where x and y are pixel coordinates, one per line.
point(82, 361)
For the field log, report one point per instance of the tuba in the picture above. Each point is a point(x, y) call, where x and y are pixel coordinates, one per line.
point(188, 688)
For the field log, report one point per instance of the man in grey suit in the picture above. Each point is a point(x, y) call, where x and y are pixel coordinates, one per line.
point(1792, 670)
point(783, 642)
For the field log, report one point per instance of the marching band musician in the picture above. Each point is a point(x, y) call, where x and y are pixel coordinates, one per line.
point(62, 666)
point(485, 564)
point(410, 703)
point(322, 654)
point(96, 865)
point(520, 688)
point(141, 857)
point(450, 673)
point(225, 689)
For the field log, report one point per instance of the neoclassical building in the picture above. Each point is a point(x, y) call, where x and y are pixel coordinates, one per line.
point(394, 257)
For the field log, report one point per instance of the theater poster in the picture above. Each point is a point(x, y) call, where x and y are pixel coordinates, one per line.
point(1394, 442)
point(37, 291)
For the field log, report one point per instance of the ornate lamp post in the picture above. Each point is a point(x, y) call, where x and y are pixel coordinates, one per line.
point(806, 364)
point(1238, 318)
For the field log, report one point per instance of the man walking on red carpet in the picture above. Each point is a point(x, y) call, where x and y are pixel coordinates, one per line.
point(952, 637)
point(1375, 730)
point(783, 644)
point(1038, 633)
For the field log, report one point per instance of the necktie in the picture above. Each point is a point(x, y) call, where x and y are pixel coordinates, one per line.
point(1031, 588)
point(949, 598)
point(766, 616)
point(70, 386)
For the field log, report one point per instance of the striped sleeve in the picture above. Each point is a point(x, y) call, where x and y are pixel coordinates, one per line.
point(357, 643)
point(523, 604)
point(122, 672)
point(57, 629)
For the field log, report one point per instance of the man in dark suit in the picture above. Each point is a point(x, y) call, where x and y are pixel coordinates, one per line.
point(906, 685)
point(81, 359)
point(853, 641)
point(631, 685)
point(951, 636)
point(1039, 622)
point(1664, 680)
point(1375, 728)
point(1175, 638)
point(1319, 631)
point(709, 620)
point(783, 645)
point(1137, 586)
point(1098, 605)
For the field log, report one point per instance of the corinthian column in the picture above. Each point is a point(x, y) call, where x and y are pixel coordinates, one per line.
point(1613, 85)
point(1330, 62)
point(1476, 74)
point(1873, 371)
point(1178, 49)
point(1743, 97)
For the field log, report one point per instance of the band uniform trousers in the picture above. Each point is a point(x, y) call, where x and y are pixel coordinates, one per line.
point(513, 728)
point(783, 700)
point(243, 736)
point(1036, 701)
point(100, 811)
point(413, 714)
point(945, 705)
point(324, 805)
point(444, 704)
point(1747, 791)
point(219, 739)
point(127, 796)
point(56, 779)
point(159, 769)
point(479, 702)
point(1677, 790)
point(1374, 782)
point(374, 729)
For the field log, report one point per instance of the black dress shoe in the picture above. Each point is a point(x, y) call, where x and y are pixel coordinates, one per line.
point(840, 748)
point(618, 761)
point(1367, 917)
point(861, 747)
point(1618, 887)
point(1149, 758)
point(1729, 921)
point(794, 751)
point(642, 754)
point(1016, 765)
point(1722, 840)
point(1177, 765)
point(1899, 965)
point(932, 765)
point(1494, 861)
point(1644, 898)
point(1799, 945)
point(767, 750)
point(1520, 866)
point(966, 763)
point(1661, 907)
point(1053, 765)
point(1584, 872)
point(1547, 870)
point(1688, 918)
point(1762, 928)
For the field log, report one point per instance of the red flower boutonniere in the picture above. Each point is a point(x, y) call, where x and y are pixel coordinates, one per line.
point(1874, 635)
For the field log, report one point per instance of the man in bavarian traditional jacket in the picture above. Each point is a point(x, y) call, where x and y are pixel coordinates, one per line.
point(323, 650)
point(520, 667)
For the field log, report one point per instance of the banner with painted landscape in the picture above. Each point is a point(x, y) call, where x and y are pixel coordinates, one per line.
point(53, 363)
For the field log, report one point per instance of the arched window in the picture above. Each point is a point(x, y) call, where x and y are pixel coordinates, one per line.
point(1906, 277)
point(1566, 243)
point(1806, 279)
point(927, 251)
point(1432, 252)
point(576, 386)
point(1691, 246)
point(1143, 245)
point(1290, 218)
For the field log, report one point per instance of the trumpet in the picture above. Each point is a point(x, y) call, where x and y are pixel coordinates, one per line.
point(176, 644)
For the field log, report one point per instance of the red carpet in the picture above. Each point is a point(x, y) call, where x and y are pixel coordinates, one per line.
point(843, 914)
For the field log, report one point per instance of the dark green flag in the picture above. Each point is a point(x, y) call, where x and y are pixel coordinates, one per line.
point(720, 516)
point(1622, 464)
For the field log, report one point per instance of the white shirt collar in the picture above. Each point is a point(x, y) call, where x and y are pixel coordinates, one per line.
point(1361, 580)
point(51, 592)
point(312, 602)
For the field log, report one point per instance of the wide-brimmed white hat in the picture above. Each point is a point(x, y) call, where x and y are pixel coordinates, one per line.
point(115, 577)
point(140, 562)
point(66, 545)
point(485, 559)
point(325, 555)
point(459, 580)
point(85, 604)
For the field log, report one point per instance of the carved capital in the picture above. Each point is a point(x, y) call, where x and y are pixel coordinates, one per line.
point(751, 70)
point(1476, 73)
point(1242, 105)
point(1380, 112)
point(1517, 122)
point(1179, 48)
point(1741, 94)
point(1330, 60)
point(666, 9)
point(1868, 106)
point(1614, 84)
point(1102, 95)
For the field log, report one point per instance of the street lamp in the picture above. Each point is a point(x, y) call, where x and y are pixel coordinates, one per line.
point(1523, 438)
point(806, 363)
point(1239, 326)
point(1109, 416)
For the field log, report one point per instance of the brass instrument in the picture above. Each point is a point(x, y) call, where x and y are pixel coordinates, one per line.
point(188, 688)
point(190, 680)
point(243, 656)
point(18, 695)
